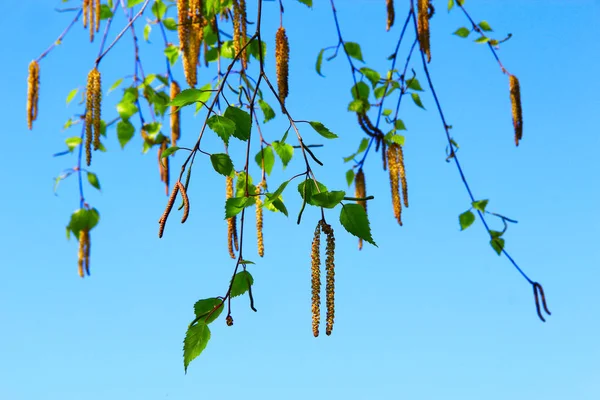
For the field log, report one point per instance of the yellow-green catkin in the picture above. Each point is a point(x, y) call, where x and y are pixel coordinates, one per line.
point(330, 277)
point(402, 173)
point(394, 171)
point(517, 112)
point(163, 165)
point(391, 15)
point(423, 27)
point(92, 114)
point(360, 192)
point(231, 222)
point(83, 259)
point(97, 104)
point(259, 220)
point(244, 32)
point(163, 219)
point(282, 58)
point(33, 92)
point(175, 113)
point(91, 16)
point(315, 258)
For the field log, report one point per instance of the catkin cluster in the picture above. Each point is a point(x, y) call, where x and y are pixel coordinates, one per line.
point(175, 125)
point(360, 192)
point(391, 15)
point(232, 239)
point(83, 261)
point(423, 26)
point(92, 114)
point(240, 30)
point(191, 32)
point(91, 15)
point(163, 166)
point(397, 178)
point(316, 278)
point(517, 112)
point(33, 92)
point(259, 220)
point(282, 59)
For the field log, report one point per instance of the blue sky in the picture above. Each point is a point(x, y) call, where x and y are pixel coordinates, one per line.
point(432, 313)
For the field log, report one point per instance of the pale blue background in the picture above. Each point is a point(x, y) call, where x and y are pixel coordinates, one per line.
point(432, 313)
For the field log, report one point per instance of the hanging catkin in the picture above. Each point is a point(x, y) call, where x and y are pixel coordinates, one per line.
point(282, 58)
point(330, 277)
point(315, 269)
point(92, 114)
point(175, 126)
point(231, 222)
point(259, 220)
point(391, 15)
point(360, 192)
point(423, 27)
point(83, 259)
point(517, 112)
point(33, 91)
point(394, 171)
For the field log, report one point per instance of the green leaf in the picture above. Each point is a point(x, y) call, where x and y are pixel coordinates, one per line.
point(265, 153)
point(306, 2)
point(484, 25)
point(462, 32)
point(159, 9)
point(253, 49)
point(399, 125)
point(204, 96)
point(360, 106)
point(328, 199)
point(371, 75)
point(204, 307)
point(172, 53)
point(466, 219)
point(417, 100)
point(350, 177)
point(496, 234)
point(360, 91)
point(235, 205)
point(279, 206)
point(322, 130)
point(482, 39)
point(170, 24)
point(188, 96)
point(242, 120)
point(222, 163)
point(364, 143)
point(222, 126)
point(320, 62)
point(196, 339)
point(353, 218)
point(73, 142)
point(125, 131)
point(168, 151)
point(480, 205)
point(267, 110)
point(71, 95)
point(93, 180)
point(126, 109)
point(353, 50)
point(284, 151)
point(241, 283)
point(105, 12)
point(147, 30)
point(271, 197)
point(393, 138)
point(131, 3)
point(450, 5)
point(115, 85)
point(308, 189)
point(83, 218)
point(413, 83)
point(497, 244)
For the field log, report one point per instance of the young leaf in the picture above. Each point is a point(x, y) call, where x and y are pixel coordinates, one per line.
point(271, 197)
point(413, 83)
point(93, 180)
point(484, 25)
point(73, 142)
point(306, 2)
point(125, 132)
point(188, 96)
point(267, 110)
point(308, 189)
point(480, 205)
point(206, 307)
point(172, 53)
point(320, 62)
point(279, 206)
point(115, 85)
point(482, 39)
point(360, 91)
point(353, 50)
point(242, 121)
point(83, 219)
point(222, 126)
point(350, 177)
point(284, 151)
point(265, 155)
point(372, 75)
point(71, 95)
point(235, 205)
point(168, 151)
point(466, 219)
point(497, 244)
point(241, 283)
point(328, 199)
point(462, 32)
point(222, 163)
point(196, 339)
point(417, 100)
point(322, 130)
point(353, 218)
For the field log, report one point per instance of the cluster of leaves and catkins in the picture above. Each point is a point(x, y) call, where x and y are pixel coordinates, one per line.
point(215, 34)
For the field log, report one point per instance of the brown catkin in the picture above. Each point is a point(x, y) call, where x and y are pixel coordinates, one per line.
point(163, 219)
point(175, 126)
point(259, 220)
point(92, 17)
point(186, 202)
point(231, 223)
point(330, 277)
point(402, 173)
point(315, 258)
point(86, 5)
point(33, 91)
point(282, 58)
point(394, 170)
point(423, 27)
point(517, 112)
point(83, 259)
point(360, 191)
point(391, 15)
point(163, 165)
point(237, 29)
point(244, 32)
point(98, 8)
point(97, 102)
